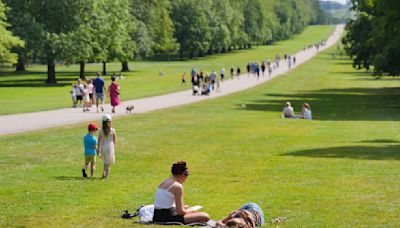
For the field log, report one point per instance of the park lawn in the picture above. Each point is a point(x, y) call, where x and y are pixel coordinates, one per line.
point(27, 92)
point(339, 170)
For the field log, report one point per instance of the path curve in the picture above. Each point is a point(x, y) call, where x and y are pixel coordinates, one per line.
point(40, 120)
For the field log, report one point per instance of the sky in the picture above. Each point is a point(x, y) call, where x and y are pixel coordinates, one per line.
point(340, 1)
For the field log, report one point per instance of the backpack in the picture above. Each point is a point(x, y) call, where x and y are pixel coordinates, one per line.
point(145, 213)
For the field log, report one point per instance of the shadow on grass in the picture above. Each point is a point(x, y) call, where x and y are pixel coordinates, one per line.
point(36, 82)
point(381, 141)
point(388, 152)
point(350, 104)
point(67, 178)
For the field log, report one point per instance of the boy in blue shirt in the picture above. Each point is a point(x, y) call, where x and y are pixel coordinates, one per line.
point(90, 144)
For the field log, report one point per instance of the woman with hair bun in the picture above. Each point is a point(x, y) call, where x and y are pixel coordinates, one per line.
point(168, 203)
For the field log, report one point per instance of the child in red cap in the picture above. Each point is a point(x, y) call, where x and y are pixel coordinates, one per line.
point(90, 144)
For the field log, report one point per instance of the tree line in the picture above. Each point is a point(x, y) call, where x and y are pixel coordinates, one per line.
point(86, 31)
point(373, 36)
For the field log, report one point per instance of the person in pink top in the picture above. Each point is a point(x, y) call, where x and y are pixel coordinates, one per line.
point(114, 94)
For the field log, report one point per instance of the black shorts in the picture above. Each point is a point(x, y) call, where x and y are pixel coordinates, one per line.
point(167, 215)
point(91, 96)
point(79, 98)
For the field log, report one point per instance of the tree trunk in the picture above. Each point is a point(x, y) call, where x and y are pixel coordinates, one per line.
point(20, 64)
point(125, 67)
point(181, 54)
point(82, 69)
point(104, 68)
point(51, 71)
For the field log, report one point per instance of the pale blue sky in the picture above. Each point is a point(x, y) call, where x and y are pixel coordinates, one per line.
point(341, 1)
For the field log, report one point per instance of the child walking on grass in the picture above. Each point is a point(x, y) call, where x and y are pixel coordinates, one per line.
point(90, 144)
point(107, 141)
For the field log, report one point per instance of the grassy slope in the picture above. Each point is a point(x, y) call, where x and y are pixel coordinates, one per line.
point(27, 92)
point(339, 170)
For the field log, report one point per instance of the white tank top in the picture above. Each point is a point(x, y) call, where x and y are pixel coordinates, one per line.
point(164, 199)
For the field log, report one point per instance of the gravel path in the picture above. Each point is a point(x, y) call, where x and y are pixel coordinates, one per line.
point(61, 117)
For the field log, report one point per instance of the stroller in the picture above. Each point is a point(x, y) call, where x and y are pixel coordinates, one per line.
point(205, 90)
point(195, 89)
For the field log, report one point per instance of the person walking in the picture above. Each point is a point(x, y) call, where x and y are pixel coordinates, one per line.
point(114, 94)
point(106, 145)
point(222, 73)
point(238, 72)
point(100, 89)
point(90, 149)
point(183, 79)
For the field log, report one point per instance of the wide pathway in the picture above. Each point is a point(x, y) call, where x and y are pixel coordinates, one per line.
point(61, 117)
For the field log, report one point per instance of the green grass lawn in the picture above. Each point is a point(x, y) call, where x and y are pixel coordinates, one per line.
point(339, 170)
point(27, 92)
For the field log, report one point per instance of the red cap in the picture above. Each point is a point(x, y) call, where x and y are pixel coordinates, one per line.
point(92, 127)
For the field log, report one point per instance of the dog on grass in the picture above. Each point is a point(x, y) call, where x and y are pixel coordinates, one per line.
point(129, 109)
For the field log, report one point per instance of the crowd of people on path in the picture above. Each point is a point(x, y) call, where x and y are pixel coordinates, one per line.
point(86, 93)
point(205, 83)
point(316, 45)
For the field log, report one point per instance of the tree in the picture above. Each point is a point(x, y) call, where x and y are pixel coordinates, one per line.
point(25, 27)
point(191, 26)
point(373, 37)
point(7, 39)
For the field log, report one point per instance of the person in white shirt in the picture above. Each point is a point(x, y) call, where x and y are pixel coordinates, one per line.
point(288, 111)
point(168, 202)
point(222, 73)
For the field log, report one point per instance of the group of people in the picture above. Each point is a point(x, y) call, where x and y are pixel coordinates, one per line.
point(170, 207)
point(288, 112)
point(103, 146)
point(93, 91)
point(316, 45)
point(203, 83)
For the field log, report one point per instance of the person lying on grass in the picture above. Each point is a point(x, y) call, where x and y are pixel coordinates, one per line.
point(168, 202)
point(248, 216)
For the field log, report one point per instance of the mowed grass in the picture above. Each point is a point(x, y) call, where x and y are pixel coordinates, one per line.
point(339, 170)
point(27, 92)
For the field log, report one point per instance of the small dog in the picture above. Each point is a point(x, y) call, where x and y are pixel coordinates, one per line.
point(129, 109)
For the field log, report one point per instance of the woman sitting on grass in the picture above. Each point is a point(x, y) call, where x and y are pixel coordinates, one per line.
point(306, 112)
point(168, 203)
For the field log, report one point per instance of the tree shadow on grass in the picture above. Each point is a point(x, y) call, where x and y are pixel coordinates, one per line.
point(350, 104)
point(381, 141)
point(36, 82)
point(388, 152)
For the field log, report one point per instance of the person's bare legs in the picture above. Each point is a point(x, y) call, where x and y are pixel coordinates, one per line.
point(106, 170)
point(92, 169)
point(196, 217)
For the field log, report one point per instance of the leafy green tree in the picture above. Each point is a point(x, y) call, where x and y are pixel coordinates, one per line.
point(220, 16)
point(7, 39)
point(48, 45)
point(155, 29)
point(373, 37)
point(191, 26)
point(25, 27)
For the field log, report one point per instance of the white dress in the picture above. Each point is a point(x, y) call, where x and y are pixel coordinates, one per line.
point(107, 150)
